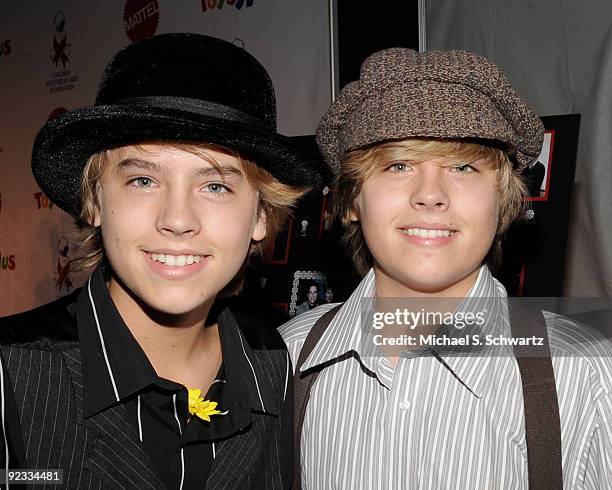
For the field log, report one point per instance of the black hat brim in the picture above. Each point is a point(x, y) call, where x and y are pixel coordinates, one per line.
point(63, 145)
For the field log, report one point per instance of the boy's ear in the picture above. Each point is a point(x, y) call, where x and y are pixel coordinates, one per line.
point(97, 218)
point(261, 227)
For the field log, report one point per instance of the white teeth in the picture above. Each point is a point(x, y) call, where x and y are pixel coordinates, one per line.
point(176, 260)
point(426, 233)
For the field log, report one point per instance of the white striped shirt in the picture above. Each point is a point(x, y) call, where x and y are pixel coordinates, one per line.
point(422, 425)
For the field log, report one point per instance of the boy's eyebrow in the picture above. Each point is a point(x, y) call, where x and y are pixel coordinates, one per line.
point(131, 163)
point(134, 163)
point(222, 170)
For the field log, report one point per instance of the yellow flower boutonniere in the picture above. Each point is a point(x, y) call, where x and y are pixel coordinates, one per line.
point(200, 407)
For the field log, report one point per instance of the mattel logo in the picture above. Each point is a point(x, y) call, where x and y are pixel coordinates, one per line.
point(218, 4)
point(5, 47)
point(7, 262)
point(140, 18)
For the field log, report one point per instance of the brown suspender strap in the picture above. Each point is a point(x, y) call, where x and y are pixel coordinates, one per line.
point(542, 424)
point(302, 383)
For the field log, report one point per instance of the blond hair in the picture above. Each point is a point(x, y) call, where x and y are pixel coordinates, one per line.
point(359, 165)
point(275, 200)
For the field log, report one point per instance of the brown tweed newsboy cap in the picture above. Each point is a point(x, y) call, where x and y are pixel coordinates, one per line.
point(402, 93)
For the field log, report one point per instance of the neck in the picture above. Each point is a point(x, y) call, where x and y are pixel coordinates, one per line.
point(180, 348)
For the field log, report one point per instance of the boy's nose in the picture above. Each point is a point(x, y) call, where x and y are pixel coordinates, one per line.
point(430, 190)
point(177, 215)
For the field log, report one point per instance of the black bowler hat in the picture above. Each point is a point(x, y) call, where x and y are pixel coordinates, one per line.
point(187, 87)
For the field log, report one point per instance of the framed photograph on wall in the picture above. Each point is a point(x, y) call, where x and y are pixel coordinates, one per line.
point(537, 176)
point(307, 291)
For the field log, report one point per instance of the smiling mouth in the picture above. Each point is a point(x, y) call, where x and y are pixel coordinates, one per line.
point(428, 233)
point(177, 260)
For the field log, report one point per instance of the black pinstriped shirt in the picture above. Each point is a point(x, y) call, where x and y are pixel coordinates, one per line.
point(117, 377)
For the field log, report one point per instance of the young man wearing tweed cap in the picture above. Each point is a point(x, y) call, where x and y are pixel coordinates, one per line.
point(427, 149)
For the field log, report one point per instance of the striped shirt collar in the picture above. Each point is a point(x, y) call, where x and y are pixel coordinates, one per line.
point(344, 333)
point(115, 367)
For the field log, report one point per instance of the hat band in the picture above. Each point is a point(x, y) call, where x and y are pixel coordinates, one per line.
point(198, 106)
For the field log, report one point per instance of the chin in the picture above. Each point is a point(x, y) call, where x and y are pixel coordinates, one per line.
point(433, 287)
point(174, 310)
point(444, 282)
point(176, 304)
point(428, 281)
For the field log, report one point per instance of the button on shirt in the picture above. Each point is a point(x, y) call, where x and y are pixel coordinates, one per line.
point(444, 421)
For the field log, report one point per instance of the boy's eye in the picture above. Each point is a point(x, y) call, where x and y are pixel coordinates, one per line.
point(142, 182)
point(463, 169)
point(216, 188)
point(398, 167)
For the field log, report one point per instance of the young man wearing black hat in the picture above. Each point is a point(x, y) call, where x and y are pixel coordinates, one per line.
point(176, 176)
point(428, 376)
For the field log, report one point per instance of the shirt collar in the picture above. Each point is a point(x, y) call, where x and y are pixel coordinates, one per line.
point(115, 367)
point(243, 368)
point(344, 333)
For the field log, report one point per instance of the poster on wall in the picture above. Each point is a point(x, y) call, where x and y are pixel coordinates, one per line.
point(51, 60)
